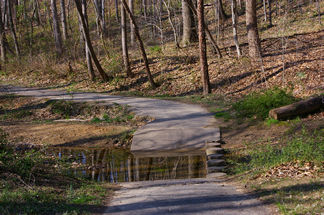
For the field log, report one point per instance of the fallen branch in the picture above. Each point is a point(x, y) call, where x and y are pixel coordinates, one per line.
point(298, 109)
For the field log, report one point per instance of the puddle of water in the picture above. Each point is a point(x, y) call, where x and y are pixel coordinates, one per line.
point(119, 165)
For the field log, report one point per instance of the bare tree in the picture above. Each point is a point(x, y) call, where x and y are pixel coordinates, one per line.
point(123, 27)
point(234, 23)
point(318, 11)
point(83, 41)
point(203, 48)
point(116, 9)
point(103, 18)
point(132, 33)
point(140, 43)
point(56, 29)
point(189, 29)
point(12, 27)
point(100, 17)
point(86, 35)
point(223, 16)
point(209, 35)
point(2, 38)
point(175, 35)
point(270, 13)
point(63, 20)
point(252, 29)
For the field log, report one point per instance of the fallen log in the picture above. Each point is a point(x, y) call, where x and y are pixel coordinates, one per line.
point(300, 108)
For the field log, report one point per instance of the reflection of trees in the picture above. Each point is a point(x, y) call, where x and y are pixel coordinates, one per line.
point(119, 165)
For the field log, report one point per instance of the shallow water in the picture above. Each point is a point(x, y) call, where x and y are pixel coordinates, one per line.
point(118, 165)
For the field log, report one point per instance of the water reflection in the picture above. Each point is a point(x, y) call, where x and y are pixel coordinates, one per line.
point(118, 165)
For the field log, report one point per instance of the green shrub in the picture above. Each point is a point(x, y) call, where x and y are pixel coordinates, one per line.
point(259, 104)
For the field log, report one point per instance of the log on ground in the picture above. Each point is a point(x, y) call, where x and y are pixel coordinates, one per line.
point(300, 108)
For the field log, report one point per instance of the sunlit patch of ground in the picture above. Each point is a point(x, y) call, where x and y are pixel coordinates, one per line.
point(65, 134)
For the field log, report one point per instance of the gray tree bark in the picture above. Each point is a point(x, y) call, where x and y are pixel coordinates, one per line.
point(189, 31)
point(203, 48)
point(123, 27)
point(252, 29)
point(175, 35)
point(12, 28)
point(270, 12)
point(234, 23)
point(86, 35)
point(116, 9)
point(86, 48)
point(2, 38)
point(56, 29)
point(132, 32)
point(209, 35)
point(103, 18)
point(141, 45)
point(63, 19)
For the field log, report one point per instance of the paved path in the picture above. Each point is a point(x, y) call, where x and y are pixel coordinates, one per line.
point(178, 127)
point(195, 196)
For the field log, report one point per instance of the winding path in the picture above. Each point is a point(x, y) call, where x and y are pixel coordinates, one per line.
point(177, 127)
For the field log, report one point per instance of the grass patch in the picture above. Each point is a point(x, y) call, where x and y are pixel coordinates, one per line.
point(286, 173)
point(271, 121)
point(259, 104)
point(219, 113)
point(304, 148)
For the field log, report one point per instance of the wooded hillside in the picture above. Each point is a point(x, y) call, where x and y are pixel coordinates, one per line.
point(164, 47)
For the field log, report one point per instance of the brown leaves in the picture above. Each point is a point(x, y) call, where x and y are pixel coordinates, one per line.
point(293, 170)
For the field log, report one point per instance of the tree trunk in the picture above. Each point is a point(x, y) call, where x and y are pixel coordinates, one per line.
point(63, 20)
point(209, 35)
point(116, 8)
point(97, 5)
point(270, 13)
point(141, 45)
point(189, 31)
point(318, 11)
point(124, 40)
point(2, 38)
point(252, 29)
point(223, 16)
point(86, 35)
point(103, 18)
point(202, 48)
point(83, 40)
point(12, 28)
point(298, 109)
point(175, 35)
point(234, 22)
point(37, 12)
point(56, 29)
point(144, 5)
point(132, 33)
point(265, 10)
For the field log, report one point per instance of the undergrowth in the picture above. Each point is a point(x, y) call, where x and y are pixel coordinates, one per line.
point(307, 147)
point(258, 104)
point(32, 183)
